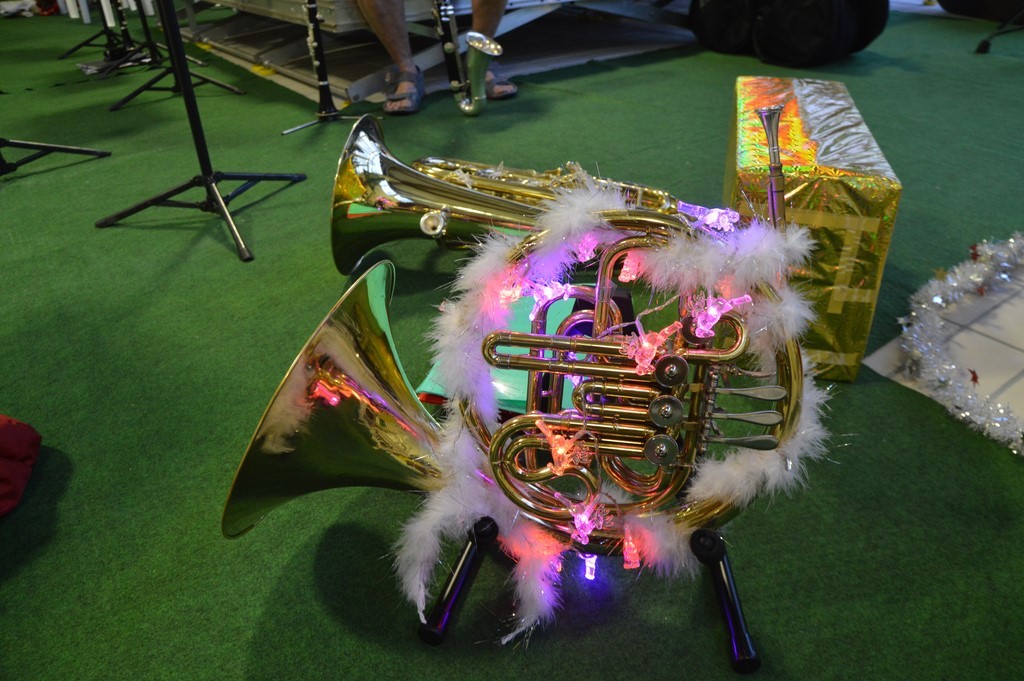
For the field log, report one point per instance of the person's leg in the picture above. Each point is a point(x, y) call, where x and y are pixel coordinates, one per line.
point(486, 18)
point(386, 18)
point(487, 15)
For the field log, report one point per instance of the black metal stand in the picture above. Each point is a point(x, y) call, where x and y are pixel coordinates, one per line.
point(41, 150)
point(1008, 26)
point(156, 58)
point(483, 534)
point(326, 111)
point(208, 179)
point(124, 51)
point(113, 45)
point(709, 548)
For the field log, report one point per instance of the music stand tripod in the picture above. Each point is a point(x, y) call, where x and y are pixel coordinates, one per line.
point(40, 151)
point(208, 179)
point(157, 58)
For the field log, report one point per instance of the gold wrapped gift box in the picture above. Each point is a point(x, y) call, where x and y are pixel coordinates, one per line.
point(839, 185)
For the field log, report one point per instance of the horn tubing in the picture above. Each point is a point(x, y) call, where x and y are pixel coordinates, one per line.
point(608, 350)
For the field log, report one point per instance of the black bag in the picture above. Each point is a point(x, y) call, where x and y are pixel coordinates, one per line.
point(723, 25)
point(796, 33)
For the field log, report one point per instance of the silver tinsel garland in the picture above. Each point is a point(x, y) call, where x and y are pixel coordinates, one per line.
point(925, 336)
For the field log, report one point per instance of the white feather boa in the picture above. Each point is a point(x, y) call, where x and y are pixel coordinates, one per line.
point(734, 261)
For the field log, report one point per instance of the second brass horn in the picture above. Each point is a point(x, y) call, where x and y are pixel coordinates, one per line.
point(378, 199)
point(344, 415)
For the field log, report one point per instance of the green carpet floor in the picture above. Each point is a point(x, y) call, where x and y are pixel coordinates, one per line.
point(145, 354)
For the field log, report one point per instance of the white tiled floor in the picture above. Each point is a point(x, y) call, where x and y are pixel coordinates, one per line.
point(986, 335)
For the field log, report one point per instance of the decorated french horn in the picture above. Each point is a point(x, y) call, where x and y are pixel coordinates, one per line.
point(656, 342)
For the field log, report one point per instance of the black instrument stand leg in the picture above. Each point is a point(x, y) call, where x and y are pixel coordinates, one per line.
point(151, 84)
point(157, 58)
point(215, 202)
point(483, 534)
point(112, 45)
point(41, 150)
point(1008, 26)
point(709, 548)
point(326, 111)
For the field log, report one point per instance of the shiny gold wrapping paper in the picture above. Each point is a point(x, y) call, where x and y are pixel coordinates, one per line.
point(839, 185)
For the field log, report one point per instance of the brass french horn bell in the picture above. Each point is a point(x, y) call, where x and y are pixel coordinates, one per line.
point(378, 199)
point(344, 415)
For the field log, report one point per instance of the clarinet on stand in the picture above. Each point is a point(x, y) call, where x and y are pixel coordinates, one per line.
point(326, 111)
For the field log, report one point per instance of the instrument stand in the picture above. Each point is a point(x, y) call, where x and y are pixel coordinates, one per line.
point(709, 548)
point(115, 44)
point(156, 58)
point(208, 179)
point(481, 536)
point(1008, 26)
point(326, 111)
point(128, 53)
point(41, 150)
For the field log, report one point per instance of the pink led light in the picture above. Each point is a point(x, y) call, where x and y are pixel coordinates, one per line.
point(704, 322)
point(586, 517)
point(544, 293)
point(565, 452)
point(643, 349)
point(632, 266)
point(587, 247)
point(323, 391)
point(630, 554)
point(716, 219)
point(503, 290)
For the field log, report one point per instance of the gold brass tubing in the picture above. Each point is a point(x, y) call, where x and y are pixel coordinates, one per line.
point(658, 226)
point(480, 431)
point(601, 428)
point(790, 373)
point(448, 169)
point(626, 478)
point(575, 422)
point(616, 389)
point(622, 449)
point(616, 411)
point(575, 344)
point(706, 513)
point(789, 370)
point(605, 273)
point(720, 356)
point(515, 480)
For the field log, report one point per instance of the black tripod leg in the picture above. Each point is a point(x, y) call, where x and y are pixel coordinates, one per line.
point(87, 42)
point(1007, 26)
point(483, 534)
point(157, 200)
point(709, 548)
point(139, 90)
point(211, 81)
point(41, 150)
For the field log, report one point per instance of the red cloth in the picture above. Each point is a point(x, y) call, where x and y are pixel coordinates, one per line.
point(19, 447)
